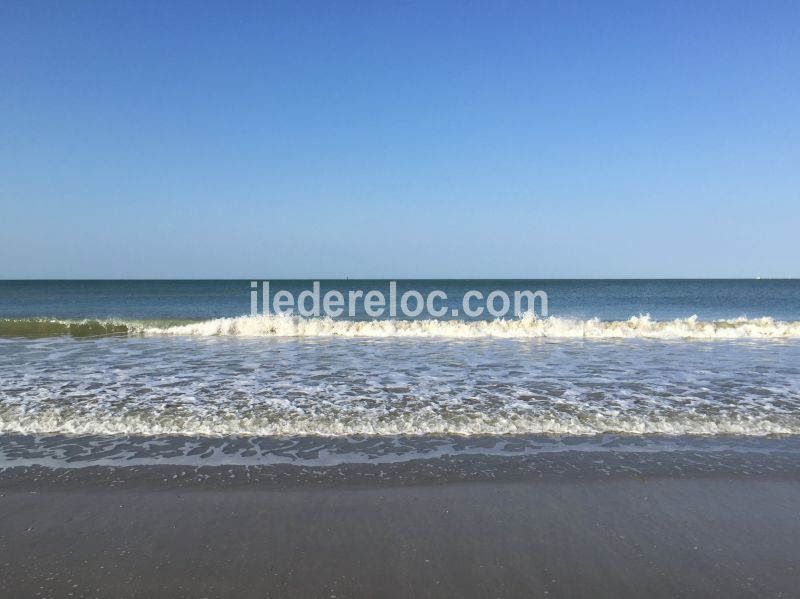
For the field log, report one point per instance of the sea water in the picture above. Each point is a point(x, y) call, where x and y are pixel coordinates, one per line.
point(158, 371)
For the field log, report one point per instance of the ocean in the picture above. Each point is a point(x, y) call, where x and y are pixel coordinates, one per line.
point(138, 373)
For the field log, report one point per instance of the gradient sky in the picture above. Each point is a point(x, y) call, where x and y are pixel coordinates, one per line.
point(378, 139)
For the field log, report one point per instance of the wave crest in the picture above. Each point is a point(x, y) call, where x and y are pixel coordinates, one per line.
point(528, 326)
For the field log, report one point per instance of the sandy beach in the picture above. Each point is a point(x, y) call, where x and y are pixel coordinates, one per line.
point(622, 537)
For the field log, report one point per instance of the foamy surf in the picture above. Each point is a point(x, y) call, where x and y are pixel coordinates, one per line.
point(211, 423)
point(340, 387)
point(527, 326)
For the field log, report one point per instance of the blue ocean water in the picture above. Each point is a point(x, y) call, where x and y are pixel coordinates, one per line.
point(604, 299)
point(130, 371)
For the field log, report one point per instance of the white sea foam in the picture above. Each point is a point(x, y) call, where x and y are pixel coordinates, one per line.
point(284, 386)
point(227, 425)
point(526, 327)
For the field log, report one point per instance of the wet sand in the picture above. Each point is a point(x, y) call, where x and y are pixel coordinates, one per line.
point(653, 537)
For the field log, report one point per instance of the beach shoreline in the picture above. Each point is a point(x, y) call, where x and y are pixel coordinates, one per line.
point(559, 536)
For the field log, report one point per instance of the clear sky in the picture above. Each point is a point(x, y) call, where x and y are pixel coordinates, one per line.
point(402, 139)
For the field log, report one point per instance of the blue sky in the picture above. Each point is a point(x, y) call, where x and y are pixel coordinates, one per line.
point(378, 139)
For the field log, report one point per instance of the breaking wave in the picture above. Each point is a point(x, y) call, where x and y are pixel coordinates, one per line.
point(210, 423)
point(528, 326)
